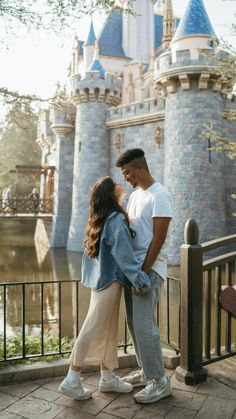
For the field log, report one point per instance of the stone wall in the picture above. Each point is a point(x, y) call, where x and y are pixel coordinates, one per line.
point(195, 184)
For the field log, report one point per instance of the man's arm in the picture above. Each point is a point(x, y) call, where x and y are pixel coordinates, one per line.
point(160, 228)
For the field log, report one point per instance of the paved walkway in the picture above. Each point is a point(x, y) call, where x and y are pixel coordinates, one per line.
point(215, 399)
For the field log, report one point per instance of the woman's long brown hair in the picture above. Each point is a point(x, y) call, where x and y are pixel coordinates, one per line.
point(103, 202)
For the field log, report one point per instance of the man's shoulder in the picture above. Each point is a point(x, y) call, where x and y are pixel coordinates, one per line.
point(158, 188)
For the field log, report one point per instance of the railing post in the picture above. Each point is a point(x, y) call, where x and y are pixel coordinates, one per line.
point(190, 370)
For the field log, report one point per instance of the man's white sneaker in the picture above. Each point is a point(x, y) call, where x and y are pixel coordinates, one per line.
point(153, 392)
point(115, 384)
point(136, 378)
point(76, 391)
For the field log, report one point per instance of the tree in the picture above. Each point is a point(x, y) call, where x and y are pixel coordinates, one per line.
point(54, 14)
point(17, 144)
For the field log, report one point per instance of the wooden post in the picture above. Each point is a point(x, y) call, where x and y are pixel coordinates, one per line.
point(190, 370)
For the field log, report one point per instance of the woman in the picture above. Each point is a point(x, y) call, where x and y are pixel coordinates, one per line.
point(108, 261)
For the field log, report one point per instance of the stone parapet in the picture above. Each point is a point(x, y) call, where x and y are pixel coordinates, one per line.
point(135, 110)
point(174, 78)
point(93, 88)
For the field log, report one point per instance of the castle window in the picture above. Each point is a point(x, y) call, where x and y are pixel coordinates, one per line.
point(183, 55)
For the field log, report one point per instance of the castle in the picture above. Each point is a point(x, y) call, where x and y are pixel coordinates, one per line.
point(146, 82)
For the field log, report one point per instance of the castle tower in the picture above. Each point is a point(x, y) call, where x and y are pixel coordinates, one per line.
point(193, 98)
point(168, 24)
point(93, 95)
point(63, 128)
point(89, 47)
point(138, 30)
point(74, 57)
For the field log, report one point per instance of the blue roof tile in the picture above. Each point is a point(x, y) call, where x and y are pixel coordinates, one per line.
point(195, 21)
point(91, 36)
point(158, 30)
point(80, 47)
point(97, 66)
point(110, 40)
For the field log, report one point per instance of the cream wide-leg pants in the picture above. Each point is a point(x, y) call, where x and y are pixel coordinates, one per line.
point(98, 337)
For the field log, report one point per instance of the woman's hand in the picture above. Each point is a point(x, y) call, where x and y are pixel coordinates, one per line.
point(137, 293)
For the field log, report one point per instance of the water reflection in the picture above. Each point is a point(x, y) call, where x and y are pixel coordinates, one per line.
point(23, 261)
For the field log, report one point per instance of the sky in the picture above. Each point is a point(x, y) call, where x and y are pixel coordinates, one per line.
point(35, 61)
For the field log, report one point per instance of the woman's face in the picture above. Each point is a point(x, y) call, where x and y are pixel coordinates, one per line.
point(119, 191)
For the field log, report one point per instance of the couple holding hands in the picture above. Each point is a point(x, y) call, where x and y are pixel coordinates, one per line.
point(123, 249)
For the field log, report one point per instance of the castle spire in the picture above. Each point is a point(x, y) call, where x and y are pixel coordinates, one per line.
point(91, 36)
point(168, 24)
point(89, 47)
point(194, 22)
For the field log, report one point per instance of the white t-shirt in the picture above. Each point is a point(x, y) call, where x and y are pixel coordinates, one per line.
point(143, 205)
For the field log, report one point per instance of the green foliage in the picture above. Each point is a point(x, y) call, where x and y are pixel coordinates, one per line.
point(221, 144)
point(13, 97)
point(17, 144)
point(33, 347)
point(53, 14)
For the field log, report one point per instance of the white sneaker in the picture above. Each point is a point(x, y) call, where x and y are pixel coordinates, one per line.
point(76, 391)
point(153, 392)
point(115, 384)
point(136, 378)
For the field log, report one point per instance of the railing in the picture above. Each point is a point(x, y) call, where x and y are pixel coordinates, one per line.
point(202, 319)
point(171, 303)
point(66, 309)
point(217, 271)
point(21, 206)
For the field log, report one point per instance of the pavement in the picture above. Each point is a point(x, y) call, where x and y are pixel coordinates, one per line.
point(214, 399)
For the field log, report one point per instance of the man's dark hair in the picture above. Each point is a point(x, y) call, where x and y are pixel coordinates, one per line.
point(130, 155)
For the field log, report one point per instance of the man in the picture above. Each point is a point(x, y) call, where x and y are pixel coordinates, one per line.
point(150, 212)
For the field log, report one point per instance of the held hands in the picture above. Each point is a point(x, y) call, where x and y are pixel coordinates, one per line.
point(137, 293)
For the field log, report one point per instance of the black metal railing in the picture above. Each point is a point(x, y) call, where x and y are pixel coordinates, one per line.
point(30, 302)
point(25, 206)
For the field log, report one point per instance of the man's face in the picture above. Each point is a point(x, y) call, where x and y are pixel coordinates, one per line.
point(131, 174)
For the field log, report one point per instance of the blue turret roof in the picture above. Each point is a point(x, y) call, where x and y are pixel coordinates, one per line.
point(195, 21)
point(97, 66)
point(91, 36)
point(110, 40)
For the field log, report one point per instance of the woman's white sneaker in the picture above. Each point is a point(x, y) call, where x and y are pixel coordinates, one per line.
point(153, 392)
point(115, 384)
point(75, 391)
point(136, 378)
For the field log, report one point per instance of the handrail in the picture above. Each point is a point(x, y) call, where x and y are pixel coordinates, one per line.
point(223, 241)
point(219, 260)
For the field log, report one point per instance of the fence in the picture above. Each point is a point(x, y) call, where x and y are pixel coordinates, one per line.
point(19, 206)
point(201, 314)
point(34, 297)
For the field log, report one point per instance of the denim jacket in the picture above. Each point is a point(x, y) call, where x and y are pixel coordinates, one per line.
point(116, 259)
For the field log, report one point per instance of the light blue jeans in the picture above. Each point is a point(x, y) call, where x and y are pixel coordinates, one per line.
point(141, 320)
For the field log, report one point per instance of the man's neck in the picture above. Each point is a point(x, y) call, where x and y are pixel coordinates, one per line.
point(146, 181)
